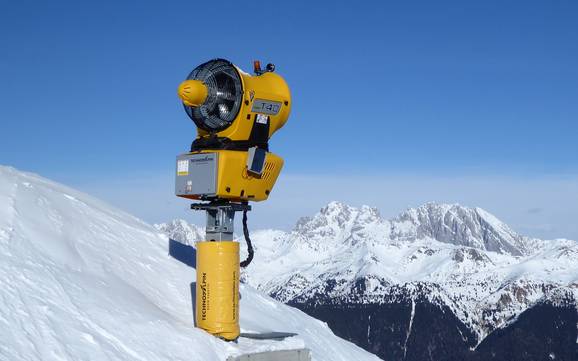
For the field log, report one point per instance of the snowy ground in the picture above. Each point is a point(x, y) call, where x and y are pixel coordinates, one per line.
point(81, 280)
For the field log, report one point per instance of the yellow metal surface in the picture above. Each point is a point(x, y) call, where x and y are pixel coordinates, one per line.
point(236, 184)
point(192, 92)
point(217, 298)
point(268, 86)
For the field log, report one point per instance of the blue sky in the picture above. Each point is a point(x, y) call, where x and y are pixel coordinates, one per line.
point(420, 92)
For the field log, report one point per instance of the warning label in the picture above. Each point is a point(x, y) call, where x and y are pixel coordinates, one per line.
point(183, 167)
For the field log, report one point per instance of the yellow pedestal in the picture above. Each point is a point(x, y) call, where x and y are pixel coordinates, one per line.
point(217, 298)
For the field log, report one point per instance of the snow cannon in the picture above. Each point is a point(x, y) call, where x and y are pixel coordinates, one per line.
point(229, 165)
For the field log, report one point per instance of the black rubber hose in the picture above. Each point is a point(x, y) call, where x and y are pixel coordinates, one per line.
point(250, 251)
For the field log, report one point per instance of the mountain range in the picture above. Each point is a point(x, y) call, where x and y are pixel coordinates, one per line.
point(437, 282)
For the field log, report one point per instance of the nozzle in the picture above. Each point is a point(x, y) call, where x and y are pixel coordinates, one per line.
point(192, 92)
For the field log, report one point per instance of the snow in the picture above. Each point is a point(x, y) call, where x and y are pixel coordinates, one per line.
point(409, 327)
point(82, 280)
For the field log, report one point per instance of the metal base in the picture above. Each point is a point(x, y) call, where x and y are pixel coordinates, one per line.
point(220, 218)
point(282, 355)
point(274, 335)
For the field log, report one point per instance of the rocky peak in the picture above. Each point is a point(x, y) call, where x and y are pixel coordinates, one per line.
point(338, 215)
point(182, 231)
point(455, 224)
point(336, 223)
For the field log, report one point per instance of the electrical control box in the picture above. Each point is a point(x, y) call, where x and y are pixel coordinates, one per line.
point(226, 174)
point(196, 174)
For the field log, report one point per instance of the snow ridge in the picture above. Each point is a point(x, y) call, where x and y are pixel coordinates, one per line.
point(82, 280)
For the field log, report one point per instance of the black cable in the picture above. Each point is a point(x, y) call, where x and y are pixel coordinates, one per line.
point(246, 262)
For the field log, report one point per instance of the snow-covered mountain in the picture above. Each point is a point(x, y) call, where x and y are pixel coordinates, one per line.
point(475, 259)
point(81, 280)
point(472, 227)
point(461, 259)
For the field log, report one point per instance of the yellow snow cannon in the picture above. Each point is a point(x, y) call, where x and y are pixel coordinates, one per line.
point(228, 165)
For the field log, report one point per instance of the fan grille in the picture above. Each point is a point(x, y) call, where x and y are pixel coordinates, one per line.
point(224, 95)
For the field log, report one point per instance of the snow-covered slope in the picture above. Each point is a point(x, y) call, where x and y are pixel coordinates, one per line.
point(463, 258)
point(80, 280)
